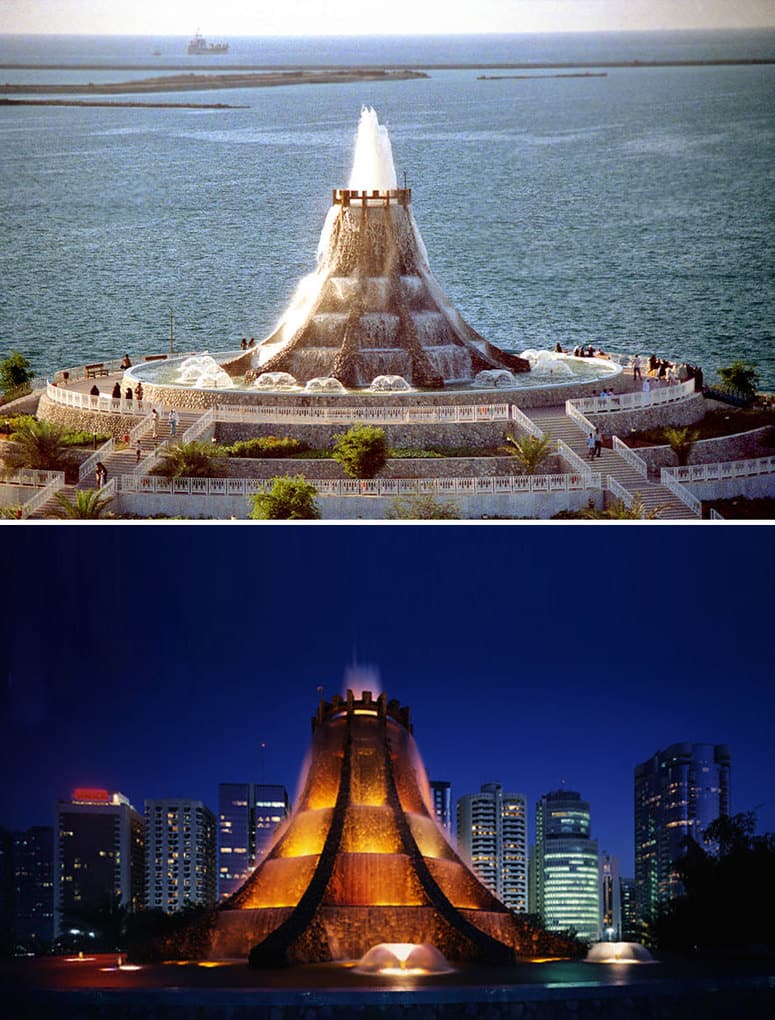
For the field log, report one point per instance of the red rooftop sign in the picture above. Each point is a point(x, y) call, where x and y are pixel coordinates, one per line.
point(87, 793)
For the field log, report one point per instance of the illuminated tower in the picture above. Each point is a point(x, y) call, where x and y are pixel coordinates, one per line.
point(610, 899)
point(678, 793)
point(566, 866)
point(99, 854)
point(180, 852)
point(362, 859)
point(492, 835)
point(248, 814)
point(442, 808)
point(33, 865)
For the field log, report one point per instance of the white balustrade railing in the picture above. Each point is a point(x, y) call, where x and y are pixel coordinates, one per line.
point(714, 515)
point(202, 424)
point(721, 470)
point(86, 402)
point(618, 490)
point(629, 401)
point(526, 424)
point(43, 495)
point(90, 463)
point(141, 428)
point(421, 414)
point(636, 462)
point(30, 476)
point(578, 417)
point(495, 485)
point(680, 491)
point(571, 457)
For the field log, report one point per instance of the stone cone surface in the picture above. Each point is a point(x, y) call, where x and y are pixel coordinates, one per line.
point(373, 307)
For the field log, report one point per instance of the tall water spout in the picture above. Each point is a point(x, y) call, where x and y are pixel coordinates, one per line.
point(373, 167)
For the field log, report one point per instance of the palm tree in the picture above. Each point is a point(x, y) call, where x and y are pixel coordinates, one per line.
point(681, 442)
point(39, 445)
point(88, 506)
point(191, 460)
point(530, 451)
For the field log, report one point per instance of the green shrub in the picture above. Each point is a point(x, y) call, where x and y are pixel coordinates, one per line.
point(84, 438)
point(191, 460)
point(413, 453)
point(422, 508)
point(291, 498)
point(15, 371)
point(362, 450)
point(266, 447)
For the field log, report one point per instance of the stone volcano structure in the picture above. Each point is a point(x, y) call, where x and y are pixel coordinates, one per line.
point(361, 860)
point(373, 307)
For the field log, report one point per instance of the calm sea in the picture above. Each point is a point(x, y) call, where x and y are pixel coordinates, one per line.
point(633, 211)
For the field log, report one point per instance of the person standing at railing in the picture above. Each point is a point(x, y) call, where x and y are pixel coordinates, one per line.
point(155, 423)
point(646, 387)
point(636, 367)
point(117, 391)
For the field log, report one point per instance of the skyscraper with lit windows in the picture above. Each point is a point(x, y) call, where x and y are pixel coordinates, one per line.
point(567, 884)
point(99, 854)
point(492, 837)
point(678, 793)
point(442, 807)
point(180, 854)
point(248, 814)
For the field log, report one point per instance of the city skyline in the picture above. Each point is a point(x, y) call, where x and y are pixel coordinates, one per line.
point(307, 17)
point(574, 655)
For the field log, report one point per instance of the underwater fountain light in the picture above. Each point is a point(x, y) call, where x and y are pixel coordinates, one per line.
point(404, 959)
point(619, 952)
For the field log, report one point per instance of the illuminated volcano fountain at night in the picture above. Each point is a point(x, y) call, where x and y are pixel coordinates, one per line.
point(373, 309)
point(361, 861)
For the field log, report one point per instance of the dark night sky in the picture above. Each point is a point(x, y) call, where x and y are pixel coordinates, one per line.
point(156, 660)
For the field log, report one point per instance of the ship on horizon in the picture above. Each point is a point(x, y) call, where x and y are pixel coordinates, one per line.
point(199, 46)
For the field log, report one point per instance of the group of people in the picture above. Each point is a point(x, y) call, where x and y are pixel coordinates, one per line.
point(667, 372)
point(245, 344)
point(585, 352)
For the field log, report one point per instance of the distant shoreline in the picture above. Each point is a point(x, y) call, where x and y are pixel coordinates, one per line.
point(108, 102)
point(196, 82)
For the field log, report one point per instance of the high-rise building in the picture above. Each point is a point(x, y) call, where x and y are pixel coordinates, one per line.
point(7, 906)
point(99, 854)
point(492, 837)
point(180, 854)
point(442, 806)
point(566, 869)
point(33, 867)
point(630, 928)
point(678, 793)
point(248, 814)
point(610, 899)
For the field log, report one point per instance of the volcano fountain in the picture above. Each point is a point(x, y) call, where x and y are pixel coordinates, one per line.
point(373, 308)
point(361, 861)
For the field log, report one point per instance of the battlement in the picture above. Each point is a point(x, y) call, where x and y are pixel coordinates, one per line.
point(396, 196)
point(365, 705)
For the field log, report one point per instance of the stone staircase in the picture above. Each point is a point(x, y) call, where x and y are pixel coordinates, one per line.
point(123, 461)
point(652, 494)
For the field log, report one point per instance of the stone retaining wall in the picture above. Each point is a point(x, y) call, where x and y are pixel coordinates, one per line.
point(399, 467)
point(677, 414)
point(538, 505)
point(479, 434)
point(78, 419)
point(753, 487)
point(743, 446)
